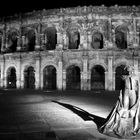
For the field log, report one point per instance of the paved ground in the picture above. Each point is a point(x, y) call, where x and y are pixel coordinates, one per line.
point(44, 115)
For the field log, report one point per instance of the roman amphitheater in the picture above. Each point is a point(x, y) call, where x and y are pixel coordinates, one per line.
point(77, 48)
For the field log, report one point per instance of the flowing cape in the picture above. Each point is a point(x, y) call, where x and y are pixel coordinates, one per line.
point(121, 122)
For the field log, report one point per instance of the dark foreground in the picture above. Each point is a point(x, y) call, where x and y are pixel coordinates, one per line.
point(46, 115)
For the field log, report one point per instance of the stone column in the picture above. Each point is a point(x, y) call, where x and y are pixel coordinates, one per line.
point(37, 44)
point(114, 80)
point(43, 41)
point(2, 73)
point(60, 76)
point(106, 80)
point(37, 73)
point(135, 43)
point(130, 38)
point(5, 78)
point(2, 44)
point(18, 74)
point(110, 29)
point(89, 80)
point(59, 41)
point(113, 38)
point(85, 75)
point(110, 73)
point(19, 39)
point(19, 44)
point(65, 40)
point(22, 78)
point(64, 79)
point(41, 79)
point(6, 42)
point(3, 48)
point(82, 81)
point(136, 65)
point(89, 39)
point(23, 40)
point(81, 40)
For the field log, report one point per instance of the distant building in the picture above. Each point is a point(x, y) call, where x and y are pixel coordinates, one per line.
point(80, 48)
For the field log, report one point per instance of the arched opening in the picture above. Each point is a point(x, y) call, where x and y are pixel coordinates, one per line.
point(12, 41)
point(97, 40)
point(29, 78)
point(50, 38)
point(30, 40)
point(74, 39)
point(49, 78)
point(11, 78)
point(121, 37)
point(73, 78)
point(120, 71)
point(97, 78)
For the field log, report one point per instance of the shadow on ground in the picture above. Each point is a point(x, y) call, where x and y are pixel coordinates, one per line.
point(86, 116)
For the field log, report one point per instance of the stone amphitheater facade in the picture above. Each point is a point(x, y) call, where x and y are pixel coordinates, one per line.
point(77, 48)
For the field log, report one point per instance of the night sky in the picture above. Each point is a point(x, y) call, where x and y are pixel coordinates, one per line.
point(11, 7)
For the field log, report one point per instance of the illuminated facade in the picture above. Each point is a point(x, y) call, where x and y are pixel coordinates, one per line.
point(80, 48)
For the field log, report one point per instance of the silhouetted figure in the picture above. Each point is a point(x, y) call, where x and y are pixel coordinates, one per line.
point(123, 121)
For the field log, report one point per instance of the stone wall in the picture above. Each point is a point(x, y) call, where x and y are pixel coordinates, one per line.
point(90, 28)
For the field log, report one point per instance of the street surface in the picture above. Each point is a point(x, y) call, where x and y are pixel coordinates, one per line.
point(53, 115)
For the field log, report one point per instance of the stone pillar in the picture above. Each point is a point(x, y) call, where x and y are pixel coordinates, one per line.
point(59, 41)
point(65, 40)
point(110, 29)
point(64, 79)
point(37, 40)
point(135, 43)
point(113, 38)
point(23, 40)
point(43, 41)
point(106, 80)
point(137, 34)
point(60, 76)
point(114, 80)
point(89, 80)
point(2, 73)
point(81, 40)
point(19, 39)
point(82, 81)
point(5, 79)
point(37, 73)
point(84, 38)
point(130, 38)
point(6, 43)
point(136, 65)
point(41, 79)
point(18, 74)
point(110, 73)
point(2, 44)
point(22, 79)
point(84, 74)
point(89, 39)
point(19, 44)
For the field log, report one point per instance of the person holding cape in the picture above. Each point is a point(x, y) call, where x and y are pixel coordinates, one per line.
point(123, 120)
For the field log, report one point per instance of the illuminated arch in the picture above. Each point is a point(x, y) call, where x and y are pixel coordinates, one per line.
point(97, 40)
point(49, 77)
point(97, 77)
point(29, 77)
point(11, 77)
point(121, 32)
point(73, 78)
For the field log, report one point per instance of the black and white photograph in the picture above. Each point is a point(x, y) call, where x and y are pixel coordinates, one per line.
point(70, 70)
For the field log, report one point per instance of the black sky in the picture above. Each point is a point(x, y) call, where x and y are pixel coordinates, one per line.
point(11, 7)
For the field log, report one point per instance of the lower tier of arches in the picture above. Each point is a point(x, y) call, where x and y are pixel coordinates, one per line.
point(71, 78)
